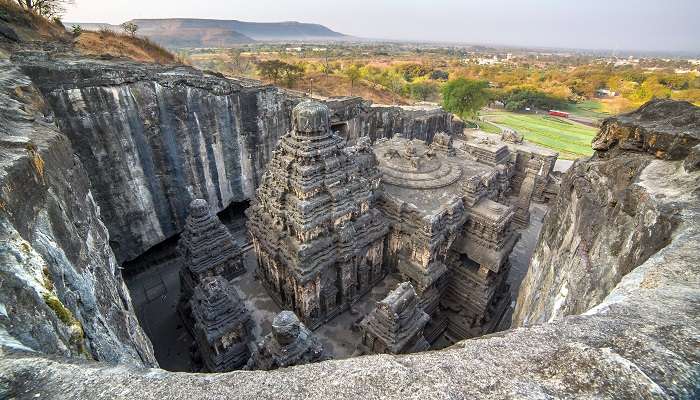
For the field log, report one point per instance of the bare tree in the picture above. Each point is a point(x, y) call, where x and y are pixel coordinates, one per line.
point(46, 8)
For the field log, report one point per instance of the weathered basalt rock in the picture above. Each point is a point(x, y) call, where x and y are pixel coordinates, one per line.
point(61, 289)
point(608, 219)
point(667, 129)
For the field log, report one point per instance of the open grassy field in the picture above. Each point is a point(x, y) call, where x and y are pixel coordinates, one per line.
point(570, 139)
point(589, 109)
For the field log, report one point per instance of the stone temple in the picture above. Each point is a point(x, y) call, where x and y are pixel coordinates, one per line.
point(318, 236)
point(329, 222)
point(289, 343)
point(223, 327)
point(396, 325)
point(206, 249)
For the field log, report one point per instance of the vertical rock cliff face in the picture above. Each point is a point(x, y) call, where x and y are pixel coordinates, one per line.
point(610, 216)
point(61, 291)
point(354, 117)
point(153, 138)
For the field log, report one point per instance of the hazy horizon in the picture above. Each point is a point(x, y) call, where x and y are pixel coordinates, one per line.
point(643, 25)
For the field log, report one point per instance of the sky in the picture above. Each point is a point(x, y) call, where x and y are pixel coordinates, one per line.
point(650, 25)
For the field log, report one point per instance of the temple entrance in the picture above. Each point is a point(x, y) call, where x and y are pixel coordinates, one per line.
point(340, 129)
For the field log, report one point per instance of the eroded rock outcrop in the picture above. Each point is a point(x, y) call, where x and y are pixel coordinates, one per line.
point(61, 291)
point(607, 219)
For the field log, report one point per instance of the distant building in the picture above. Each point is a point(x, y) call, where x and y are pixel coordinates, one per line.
point(606, 93)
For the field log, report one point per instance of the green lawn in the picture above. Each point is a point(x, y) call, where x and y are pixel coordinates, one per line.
point(588, 109)
point(488, 127)
point(571, 140)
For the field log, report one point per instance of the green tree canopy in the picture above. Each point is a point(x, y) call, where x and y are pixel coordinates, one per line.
point(423, 90)
point(521, 98)
point(353, 74)
point(465, 97)
point(277, 69)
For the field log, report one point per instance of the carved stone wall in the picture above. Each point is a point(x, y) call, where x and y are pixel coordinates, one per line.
point(318, 238)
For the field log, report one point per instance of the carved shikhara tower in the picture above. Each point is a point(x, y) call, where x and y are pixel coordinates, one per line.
point(328, 222)
point(316, 233)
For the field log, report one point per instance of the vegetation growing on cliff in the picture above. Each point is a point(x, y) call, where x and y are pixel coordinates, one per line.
point(77, 337)
point(116, 44)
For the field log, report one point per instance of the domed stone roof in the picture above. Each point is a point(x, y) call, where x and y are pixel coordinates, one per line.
point(311, 118)
point(285, 327)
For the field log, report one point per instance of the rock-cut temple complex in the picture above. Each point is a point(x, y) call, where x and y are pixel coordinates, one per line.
point(316, 230)
point(329, 221)
point(396, 325)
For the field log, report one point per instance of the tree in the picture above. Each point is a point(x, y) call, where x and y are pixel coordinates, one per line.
point(651, 89)
point(77, 30)
point(439, 75)
point(423, 90)
point(270, 69)
point(239, 64)
point(465, 97)
point(275, 69)
point(527, 97)
point(412, 71)
point(130, 28)
point(291, 74)
point(353, 73)
point(46, 8)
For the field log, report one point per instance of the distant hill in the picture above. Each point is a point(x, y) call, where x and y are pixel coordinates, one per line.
point(188, 32)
